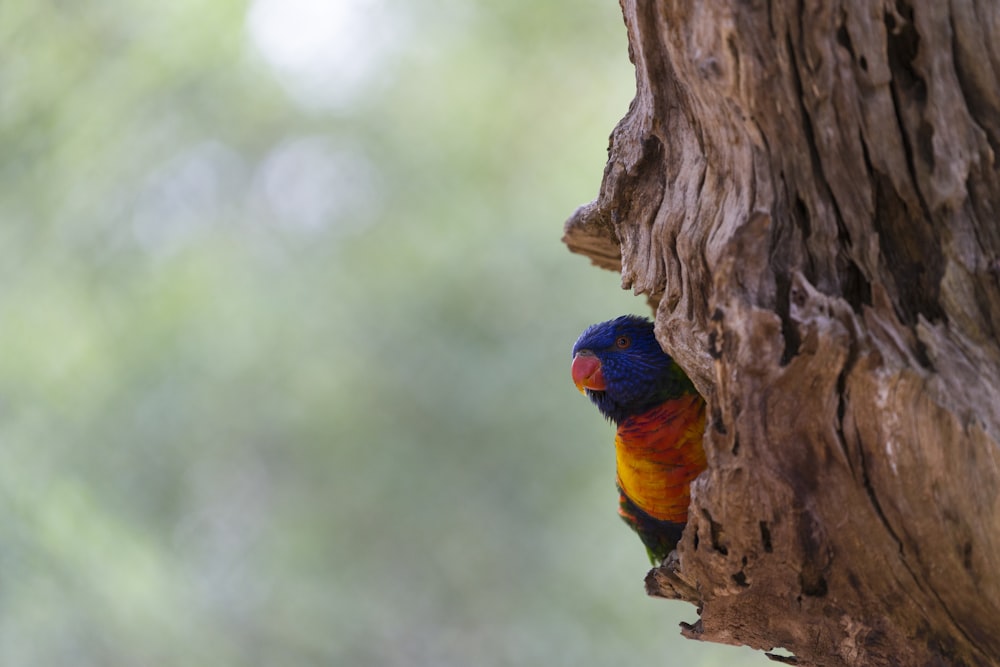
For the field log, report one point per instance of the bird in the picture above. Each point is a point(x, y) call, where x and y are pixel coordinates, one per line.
point(660, 419)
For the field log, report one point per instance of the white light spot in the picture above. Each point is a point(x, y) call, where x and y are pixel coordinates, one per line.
point(185, 195)
point(323, 50)
point(309, 183)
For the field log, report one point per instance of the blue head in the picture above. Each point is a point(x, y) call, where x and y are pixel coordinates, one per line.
point(623, 370)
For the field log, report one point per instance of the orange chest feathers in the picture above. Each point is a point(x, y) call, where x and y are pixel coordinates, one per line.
point(658, 455)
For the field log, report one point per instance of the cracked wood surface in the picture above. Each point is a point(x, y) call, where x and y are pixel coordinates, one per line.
point(809, 194)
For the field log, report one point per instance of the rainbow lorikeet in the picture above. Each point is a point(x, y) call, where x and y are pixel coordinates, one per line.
point(660, 416)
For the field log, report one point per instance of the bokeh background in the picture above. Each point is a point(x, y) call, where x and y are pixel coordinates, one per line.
point(284, 338)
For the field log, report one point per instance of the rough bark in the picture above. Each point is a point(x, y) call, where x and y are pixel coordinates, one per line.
point(808, 191)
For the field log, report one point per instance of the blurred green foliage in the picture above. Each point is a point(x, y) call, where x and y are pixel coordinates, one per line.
point(285, 338)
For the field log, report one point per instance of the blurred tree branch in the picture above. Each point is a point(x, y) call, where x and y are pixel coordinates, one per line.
point(808, 192)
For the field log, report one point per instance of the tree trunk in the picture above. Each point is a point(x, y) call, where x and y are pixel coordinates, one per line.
point(808, 193)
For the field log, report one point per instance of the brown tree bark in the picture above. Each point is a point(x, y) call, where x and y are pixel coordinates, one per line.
point(809, 194)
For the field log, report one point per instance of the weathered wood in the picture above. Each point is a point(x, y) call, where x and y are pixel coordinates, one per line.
point(809, 193)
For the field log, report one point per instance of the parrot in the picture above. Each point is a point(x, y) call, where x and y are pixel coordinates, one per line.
point(660, 419)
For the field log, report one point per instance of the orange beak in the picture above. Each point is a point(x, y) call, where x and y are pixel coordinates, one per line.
point(586, 371)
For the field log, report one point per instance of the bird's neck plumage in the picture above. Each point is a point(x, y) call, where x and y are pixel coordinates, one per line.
point(659, 453)
point(672, 385)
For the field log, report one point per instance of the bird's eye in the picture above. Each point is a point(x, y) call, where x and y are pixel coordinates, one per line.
point(623, 342)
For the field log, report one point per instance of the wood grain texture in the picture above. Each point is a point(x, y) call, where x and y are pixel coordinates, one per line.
point(808, 191)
